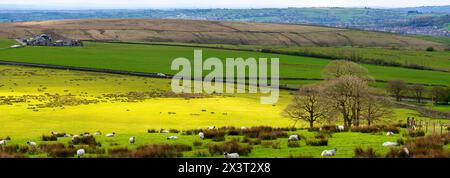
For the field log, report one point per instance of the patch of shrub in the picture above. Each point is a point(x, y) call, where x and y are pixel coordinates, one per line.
point(200, 153)
point(85, 140)
point(174, 131)
point(293, 144)
point(401, 141)
point(11, 155)
point(49, 138)
point(415, 133)
point(391, 128)
point(92, 149)
point(317, 142)
point(251, 141)
point(397, 153)
point(215, 135)
point(12, 149)
point(152, 131)
point(59, 134)
point(323, 135)
point(159, 151)
point(430, 49)
point(119, 152)
point(230, 147)
point(58, 150)
point(197, 143)
point(366, 129)
point(299, 156)
point(272, 135)
point(329, 128)
point(271, 144)
point(368, 153)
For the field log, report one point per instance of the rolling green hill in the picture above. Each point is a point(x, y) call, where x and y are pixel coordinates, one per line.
point(158, 58)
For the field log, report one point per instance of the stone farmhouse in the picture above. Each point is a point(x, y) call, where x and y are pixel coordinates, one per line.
point(46, 40)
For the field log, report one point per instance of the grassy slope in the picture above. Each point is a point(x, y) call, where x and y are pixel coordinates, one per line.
point(23, 124)
point(435, 60)
point(147, 58)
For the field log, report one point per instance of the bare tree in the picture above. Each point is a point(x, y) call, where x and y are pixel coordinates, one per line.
point(439, 95)
point(339, 68)
point(418, 91)
point(397, 88)
point(309, 105)
point(375, 108)
point(347, 94)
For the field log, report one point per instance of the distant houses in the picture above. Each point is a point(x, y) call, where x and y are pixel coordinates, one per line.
point(46, 40)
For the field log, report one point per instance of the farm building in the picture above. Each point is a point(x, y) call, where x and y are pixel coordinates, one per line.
point(46, 40)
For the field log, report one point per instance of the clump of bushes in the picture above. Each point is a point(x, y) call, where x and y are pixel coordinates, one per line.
point(215, 135)
point(197, 143)
point(85, 140)
point(293, 144)
point(264, 133)
point(329, 128)
point(250, 141)
point(200, 153)
point(368, 153)
point(323, 135)
point(230, 147)
point(424, 147)
point(415, 133)
point(155, 151)
point(58, 150)
point(317, 142)
point(366, 129)
point(152, 131)
point(119, 152)
point(49, 138)
point(271, 144)
point(14, 149)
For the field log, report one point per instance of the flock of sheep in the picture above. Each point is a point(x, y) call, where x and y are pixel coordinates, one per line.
point(132, 140)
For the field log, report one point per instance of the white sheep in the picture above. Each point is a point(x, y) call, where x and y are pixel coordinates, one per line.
point(55, 133)
point(211, 127)
point(340, 128)
point(406, 151)
point(75, 137)
point(201, 135)
point(293, 138)
point(67, 135)
point(164, 131)
point(2, 142)
point(243, 128)
point(132, 140)
point(390, 133)
point(98, 133)
point(230, 155)
point(329, 152)
point(80, 153)
point(32, 144)
point(86, 134)
point(390, 144)
point(172, 138)
point(111, 134)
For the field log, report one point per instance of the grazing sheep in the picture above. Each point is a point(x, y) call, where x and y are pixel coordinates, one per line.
point(132, 140)
point(406, 151)
point(201, 135)
point(164, 131)
point(390, 133)
point(211, 127)
point(86, 134)
point(390, 144)
point(98, 133)
point(230, 155)
point(329, 152)
point(243, 128)
point(55, 133)
point(172, 138)
point(67, 135)
point(33, 144)
point(340, 128)
point(2, 142)
point(80, 153)
point(293, 138)
point(111, 134)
